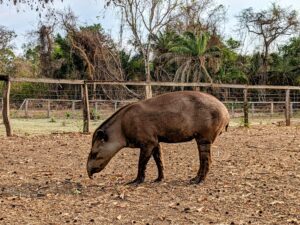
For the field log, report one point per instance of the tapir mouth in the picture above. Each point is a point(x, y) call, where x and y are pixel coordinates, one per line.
point(92, 171)
point(94, 167)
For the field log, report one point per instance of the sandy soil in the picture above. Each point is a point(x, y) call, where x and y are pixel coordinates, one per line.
point(254, 179)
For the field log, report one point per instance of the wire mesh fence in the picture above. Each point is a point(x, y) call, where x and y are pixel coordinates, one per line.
point(43, 107)
point(35, 100)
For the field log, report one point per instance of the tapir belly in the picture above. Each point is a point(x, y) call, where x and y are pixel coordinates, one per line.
point(179, 129)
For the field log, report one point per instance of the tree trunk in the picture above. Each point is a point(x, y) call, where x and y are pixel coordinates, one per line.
point(5, 108)
point(264, 74)
point(287, 109)
point(246, 115)
point(148, 87)
point(86, 109)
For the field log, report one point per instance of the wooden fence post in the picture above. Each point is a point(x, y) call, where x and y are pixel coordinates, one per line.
point(82, 91)
point(246, 115)
point(5, 107)
point(96, 107)
point(252, 109)
point(86, 109)
point(148, 90)
point(73, 106)
point(232, 109)
point(116, 106)
point(272, 108)
point(26, 109)
point(287, 108)
point(48, 108)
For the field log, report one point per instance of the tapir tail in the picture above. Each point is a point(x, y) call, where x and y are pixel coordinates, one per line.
point(226, 128)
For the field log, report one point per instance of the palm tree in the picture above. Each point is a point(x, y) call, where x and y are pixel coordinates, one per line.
point(194, 55)
point(161, 44)
point(163, 41)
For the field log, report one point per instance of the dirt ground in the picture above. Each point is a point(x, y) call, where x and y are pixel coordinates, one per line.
point(254, 179)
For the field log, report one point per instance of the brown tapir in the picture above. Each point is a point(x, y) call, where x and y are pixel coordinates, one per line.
point(171, 118)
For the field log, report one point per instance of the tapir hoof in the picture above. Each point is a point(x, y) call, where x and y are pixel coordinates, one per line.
point(197, 180)
point(136, 182)
point(159, 179)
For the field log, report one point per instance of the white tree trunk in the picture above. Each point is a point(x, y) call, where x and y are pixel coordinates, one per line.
point(148, 88)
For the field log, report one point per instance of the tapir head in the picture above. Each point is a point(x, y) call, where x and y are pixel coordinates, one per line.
point(104, 147)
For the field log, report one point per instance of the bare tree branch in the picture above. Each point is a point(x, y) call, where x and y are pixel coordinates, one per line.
point(270, 25)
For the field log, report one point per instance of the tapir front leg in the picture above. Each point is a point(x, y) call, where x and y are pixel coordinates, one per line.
point(145, 155)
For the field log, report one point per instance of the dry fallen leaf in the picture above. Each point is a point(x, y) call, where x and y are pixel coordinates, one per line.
point(200, 209)
point(276, 202)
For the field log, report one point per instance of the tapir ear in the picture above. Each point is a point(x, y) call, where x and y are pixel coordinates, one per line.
point(101, 135)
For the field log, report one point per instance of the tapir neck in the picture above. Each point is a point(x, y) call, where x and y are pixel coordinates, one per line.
point(114, 131)
point(116, 137)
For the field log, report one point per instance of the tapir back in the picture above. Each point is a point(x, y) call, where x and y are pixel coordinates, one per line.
point(175, 117)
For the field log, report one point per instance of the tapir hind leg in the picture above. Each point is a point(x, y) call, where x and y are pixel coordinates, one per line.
point(157, 155)
point(204, 149)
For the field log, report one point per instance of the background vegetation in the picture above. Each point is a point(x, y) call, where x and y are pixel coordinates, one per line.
point(174, 42)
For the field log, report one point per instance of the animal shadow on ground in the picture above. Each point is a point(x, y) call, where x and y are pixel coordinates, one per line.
point(34, 190)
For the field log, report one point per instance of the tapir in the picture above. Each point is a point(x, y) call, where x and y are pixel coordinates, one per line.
point(169, 118)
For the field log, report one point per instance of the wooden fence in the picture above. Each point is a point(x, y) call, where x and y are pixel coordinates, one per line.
point(85, 97)
point(234, 107)
point(49, 102)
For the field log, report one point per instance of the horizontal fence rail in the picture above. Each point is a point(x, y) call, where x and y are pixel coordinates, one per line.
point(46, 81)
point(88, 99)
point(161, 84)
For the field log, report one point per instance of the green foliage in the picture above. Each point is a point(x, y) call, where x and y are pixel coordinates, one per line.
point(68, 115)
point(70, 61)
point(94, 115)
point(20, 91)
point(133, 66)
point(52, 120)
point(233, 44)
point(177, 55)
point(163, 41)
point(194, 56)
point(32, 57)
point(95, 27)
point(191, 44)
point(231, 71)
point(7, 58)
point(285, 69)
